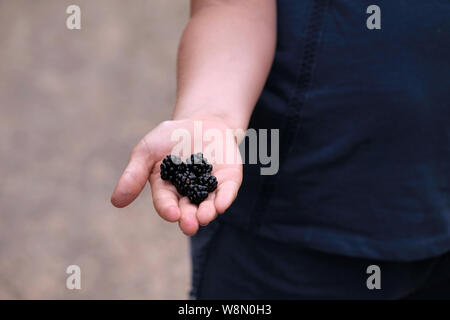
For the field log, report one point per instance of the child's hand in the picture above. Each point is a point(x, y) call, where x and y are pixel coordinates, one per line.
point(144, 165)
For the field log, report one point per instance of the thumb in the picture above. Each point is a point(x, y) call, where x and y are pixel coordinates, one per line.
point(134, 177)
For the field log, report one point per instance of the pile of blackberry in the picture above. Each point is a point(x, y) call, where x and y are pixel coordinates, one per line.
point(192, 178)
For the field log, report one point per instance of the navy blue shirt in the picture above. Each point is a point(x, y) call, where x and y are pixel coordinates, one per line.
point(364, 119)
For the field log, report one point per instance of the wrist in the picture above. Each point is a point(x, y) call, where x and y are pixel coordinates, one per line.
point(221, 121)
point(215, 122)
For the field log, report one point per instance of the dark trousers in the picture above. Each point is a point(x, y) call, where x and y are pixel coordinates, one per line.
point(230, 263)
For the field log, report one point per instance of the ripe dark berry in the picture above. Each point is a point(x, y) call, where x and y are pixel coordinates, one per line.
point(198, 164)
point(191, 178)
point(209, 181)
point(198, 197)
point(169, 167)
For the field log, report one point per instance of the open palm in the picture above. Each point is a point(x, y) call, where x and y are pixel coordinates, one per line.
point(144, 165)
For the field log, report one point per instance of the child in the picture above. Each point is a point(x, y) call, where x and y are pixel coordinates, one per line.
point(364, 119)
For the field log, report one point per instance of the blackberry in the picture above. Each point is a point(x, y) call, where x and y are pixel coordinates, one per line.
point(170, 166)
point(198, 197)
point(182, 182)
point(192, 178)
point(209, 181)
point(198, 164)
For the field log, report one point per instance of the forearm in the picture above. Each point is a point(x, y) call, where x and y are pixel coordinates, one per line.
point(224, 58)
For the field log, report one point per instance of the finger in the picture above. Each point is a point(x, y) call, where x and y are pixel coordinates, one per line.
point(188, 220)
point(134, 177)
point(226, 193)
point(207, 210)
point(165, 198)
point(230, 180)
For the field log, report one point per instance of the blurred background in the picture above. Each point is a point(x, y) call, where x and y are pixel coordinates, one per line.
point(73, 104)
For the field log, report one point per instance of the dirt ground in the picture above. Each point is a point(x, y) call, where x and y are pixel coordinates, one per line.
point(73, 104)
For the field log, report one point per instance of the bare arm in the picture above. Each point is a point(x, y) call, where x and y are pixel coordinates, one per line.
point(224, 58)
